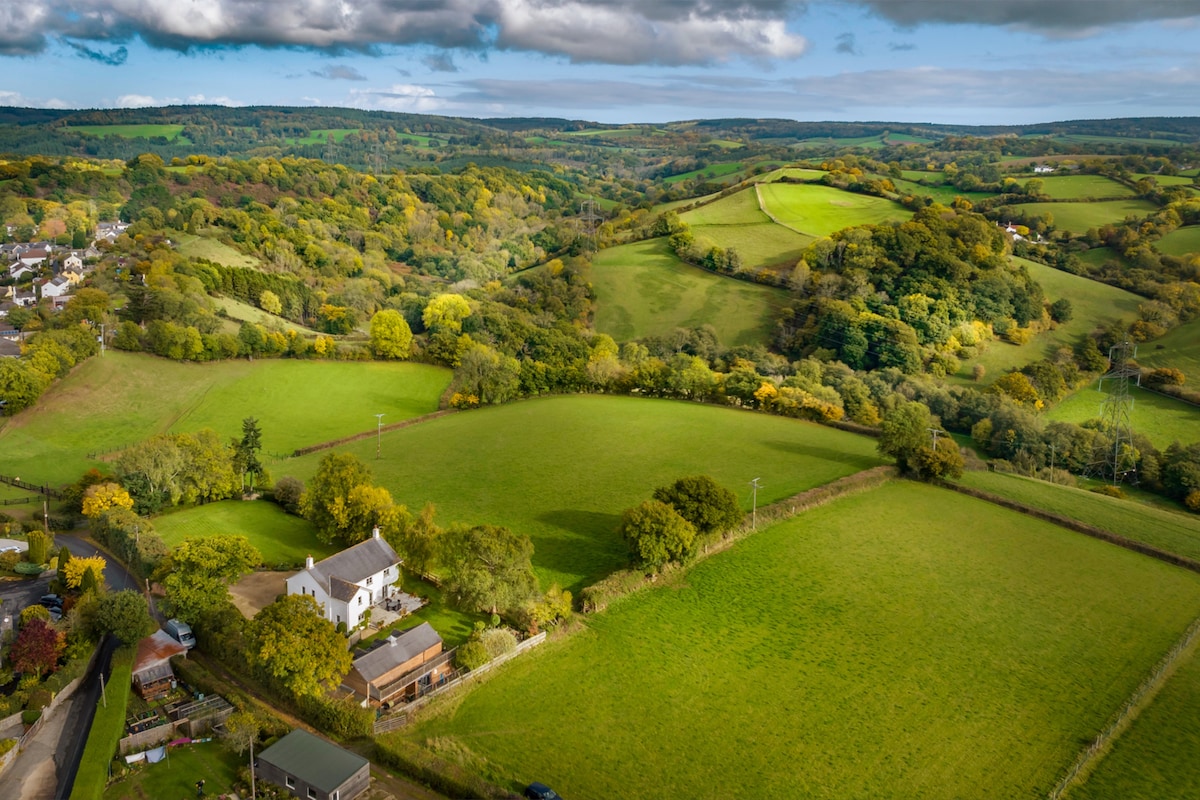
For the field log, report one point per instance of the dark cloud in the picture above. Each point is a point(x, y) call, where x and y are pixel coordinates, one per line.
point(901, 47)
point(440, 62)
point(114, 59)
point(1063, 18)
point(338, 72)
point(846, 44)
point(607, 31)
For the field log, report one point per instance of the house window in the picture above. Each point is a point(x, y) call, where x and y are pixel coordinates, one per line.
point(360, 599)
point(339, 616)
point(290, 781)
point(312, 794)
point(369, 581)
point(334, 796)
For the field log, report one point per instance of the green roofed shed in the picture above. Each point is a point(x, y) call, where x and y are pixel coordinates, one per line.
point(312, 768)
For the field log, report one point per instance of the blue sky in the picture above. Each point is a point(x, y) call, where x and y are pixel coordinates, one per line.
point(613, 61)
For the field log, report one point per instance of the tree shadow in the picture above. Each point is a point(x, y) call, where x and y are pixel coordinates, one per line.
point(585, 544)
point(824, 453)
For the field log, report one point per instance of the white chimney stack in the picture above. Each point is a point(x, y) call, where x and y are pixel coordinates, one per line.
point(308, 562)
point(375, 532)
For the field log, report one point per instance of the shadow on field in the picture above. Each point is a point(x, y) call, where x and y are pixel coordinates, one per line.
point(588, 547)
point(824, 453)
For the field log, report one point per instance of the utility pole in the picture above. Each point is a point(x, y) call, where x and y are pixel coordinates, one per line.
point(754, 504)
point(1052, 446)
point(379, 435)
point(252, 794)
point(101, 338)
point(935, 433)
point(103, 693)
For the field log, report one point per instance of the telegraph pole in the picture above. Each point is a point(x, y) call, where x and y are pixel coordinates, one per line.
point(754, 504)
point(935, 433)
point(379, 434)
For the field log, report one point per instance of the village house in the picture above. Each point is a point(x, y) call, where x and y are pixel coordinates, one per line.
point(347, 584)
point(19, 270)
point(109, 231)
point(1042, 170)
point(400, 668)
point(307, 766)
point(57, 287)
point(34, 258)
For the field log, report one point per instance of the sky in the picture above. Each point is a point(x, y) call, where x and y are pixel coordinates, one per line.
point(616, 61)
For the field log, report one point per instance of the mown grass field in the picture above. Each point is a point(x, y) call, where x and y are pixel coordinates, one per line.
point(1099, 256)
point(643, 289)
point(1160, 419)
point(147, 131)
point(193, 246)
point(944, 194)
point(1157, 756)
point(176, 778)
point(1093, 304)
point(120, 399)
point(1165, 180)
point(562, 470)
point(1175, 532)
point(281, 538)
point(737, 222)
point(905, 642)
point(711, 172)
point(821, 210)
point(1078, 217)
point(736, 209)
point(1180, 349)
point(1079, 187)
point(1180, 242)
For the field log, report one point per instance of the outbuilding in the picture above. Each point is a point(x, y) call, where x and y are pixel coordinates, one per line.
point(314, 769)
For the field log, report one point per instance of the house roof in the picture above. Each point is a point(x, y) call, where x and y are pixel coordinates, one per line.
point(395, 650)
point(155, 650)
point(342, 590)
point(357, 563)
point(313, 760)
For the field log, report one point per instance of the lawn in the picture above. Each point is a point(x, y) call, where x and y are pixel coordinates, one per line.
point(562, 470)
point(1160, 419)
point(147, 131)
point(643, 289)
point(176, 776)
point(1093, 304)
point(1175, 532)
point(1078, 217)
point(193, 246)
point(1157, 756)
point(1180, 348)
point(821, 210)
point(906, 642)
point(1081, 187)
point(283, 540)
point(1180, 242)
point(119, 399)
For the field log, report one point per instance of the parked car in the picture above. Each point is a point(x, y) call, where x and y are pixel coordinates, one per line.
point(51, 601)
point(540, 791)
point(181, 632)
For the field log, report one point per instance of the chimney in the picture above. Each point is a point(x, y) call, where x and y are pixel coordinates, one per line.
point(308, 562)
point(391, 640)
point(375, 532)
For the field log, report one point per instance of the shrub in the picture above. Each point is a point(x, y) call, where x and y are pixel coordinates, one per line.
point(498, 641)
point(1164, 376)
point(1192, 501)
point(471, 655)
point(25, 568)
point(445, 776)
point(6, 745)
point(343, 718)
point(39, 698)
point(8, 561)
point(31, 715)
point(1110, 491)
point(39, 547)
point(287, 493)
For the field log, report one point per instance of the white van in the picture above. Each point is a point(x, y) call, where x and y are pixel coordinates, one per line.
point(181, 632)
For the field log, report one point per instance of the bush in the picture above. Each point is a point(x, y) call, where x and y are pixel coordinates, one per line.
point(498, 641)
point(38, 699)
point(6, 745)
point(1110, 491)
point(287, 493)
point(8, 561)
point(31, 715)
point(471, 655)
point(1192, 501)
point(25, 568)
point(343, 718)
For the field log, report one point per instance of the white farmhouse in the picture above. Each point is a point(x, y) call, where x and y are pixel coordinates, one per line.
point(347, 584)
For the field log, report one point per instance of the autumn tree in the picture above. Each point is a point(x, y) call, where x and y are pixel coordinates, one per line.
point(446, 312)
point(656, 534)
point(241, 729)
point(391, 337)
point(421, 542)
point(75, 570)
point(489, 567)
point(101, 497)
point(297, 648)
point(125, 615)
point(710, 507)
point(37, 649)
point(326, 501)
point(907, 435)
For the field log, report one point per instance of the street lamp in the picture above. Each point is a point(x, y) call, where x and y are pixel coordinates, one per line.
point(378, 434)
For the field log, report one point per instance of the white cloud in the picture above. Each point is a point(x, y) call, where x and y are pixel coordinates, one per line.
point(10, 98)
point(397, 97)
point(143, 101)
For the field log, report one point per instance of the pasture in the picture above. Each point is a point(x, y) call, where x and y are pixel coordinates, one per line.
point(736, 209)
point(1081, 187)
point(1093, 304)
point(239, 312)
point(1180, 349)
point(821, 210)
point(737, 222)
point(120, 399)
point(211, 249)
point(711, 172)
point(1180, 242)
point(563, 469)
point(1157, 756)
point(148, 131)
point(1175, 532)
point(1165, 180)
point(943, 194)
point(1159, 418)
point(283, 540)
point(322, 136)
point(905, 642)
point(1078, 217)
point(643, 289)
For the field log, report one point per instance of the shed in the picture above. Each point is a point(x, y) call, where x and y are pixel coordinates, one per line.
point(152, 675)
point(314, 769)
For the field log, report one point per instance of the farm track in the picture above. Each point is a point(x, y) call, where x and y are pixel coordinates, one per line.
point(395, 426)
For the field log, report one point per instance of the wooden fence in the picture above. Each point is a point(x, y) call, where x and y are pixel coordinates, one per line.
point(31, 487)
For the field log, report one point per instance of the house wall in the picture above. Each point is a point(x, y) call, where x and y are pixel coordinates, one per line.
point(355, 785)
point(411, 664)
point(305, 583)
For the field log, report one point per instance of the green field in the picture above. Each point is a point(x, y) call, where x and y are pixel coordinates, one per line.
point(239, 312)
point(148, 131)
point(1180, 349)
point(1157, 756)
point(1160, 419)
point(322, 136)
point(1180, 242)
point(1078, 217)
point(281, 538)
point(176, 777)
point(1079, 187)
point(1099, 256)
point(800, 173)
point(711, 172)
point(643, 289)
point(562, 470)
point(1175, 532)
point(1165, 180)
point(119, 399)
point(1093, 304)
point(192, 246)
point(821, 210)
point(901, 643)
point(737, 222)
point(943, 194)
point(736, 209)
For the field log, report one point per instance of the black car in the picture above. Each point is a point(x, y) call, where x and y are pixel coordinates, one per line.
point(51, 601)
point(540, 791)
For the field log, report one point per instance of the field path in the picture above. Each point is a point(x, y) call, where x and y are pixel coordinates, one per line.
point(763, 208)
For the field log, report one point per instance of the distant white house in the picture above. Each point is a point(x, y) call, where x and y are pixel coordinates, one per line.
point(1041, 169)
point(347, 584)
point(57, 287)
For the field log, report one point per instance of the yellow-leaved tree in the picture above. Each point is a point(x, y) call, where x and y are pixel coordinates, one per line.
point(103, 496)
point(75, 570)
